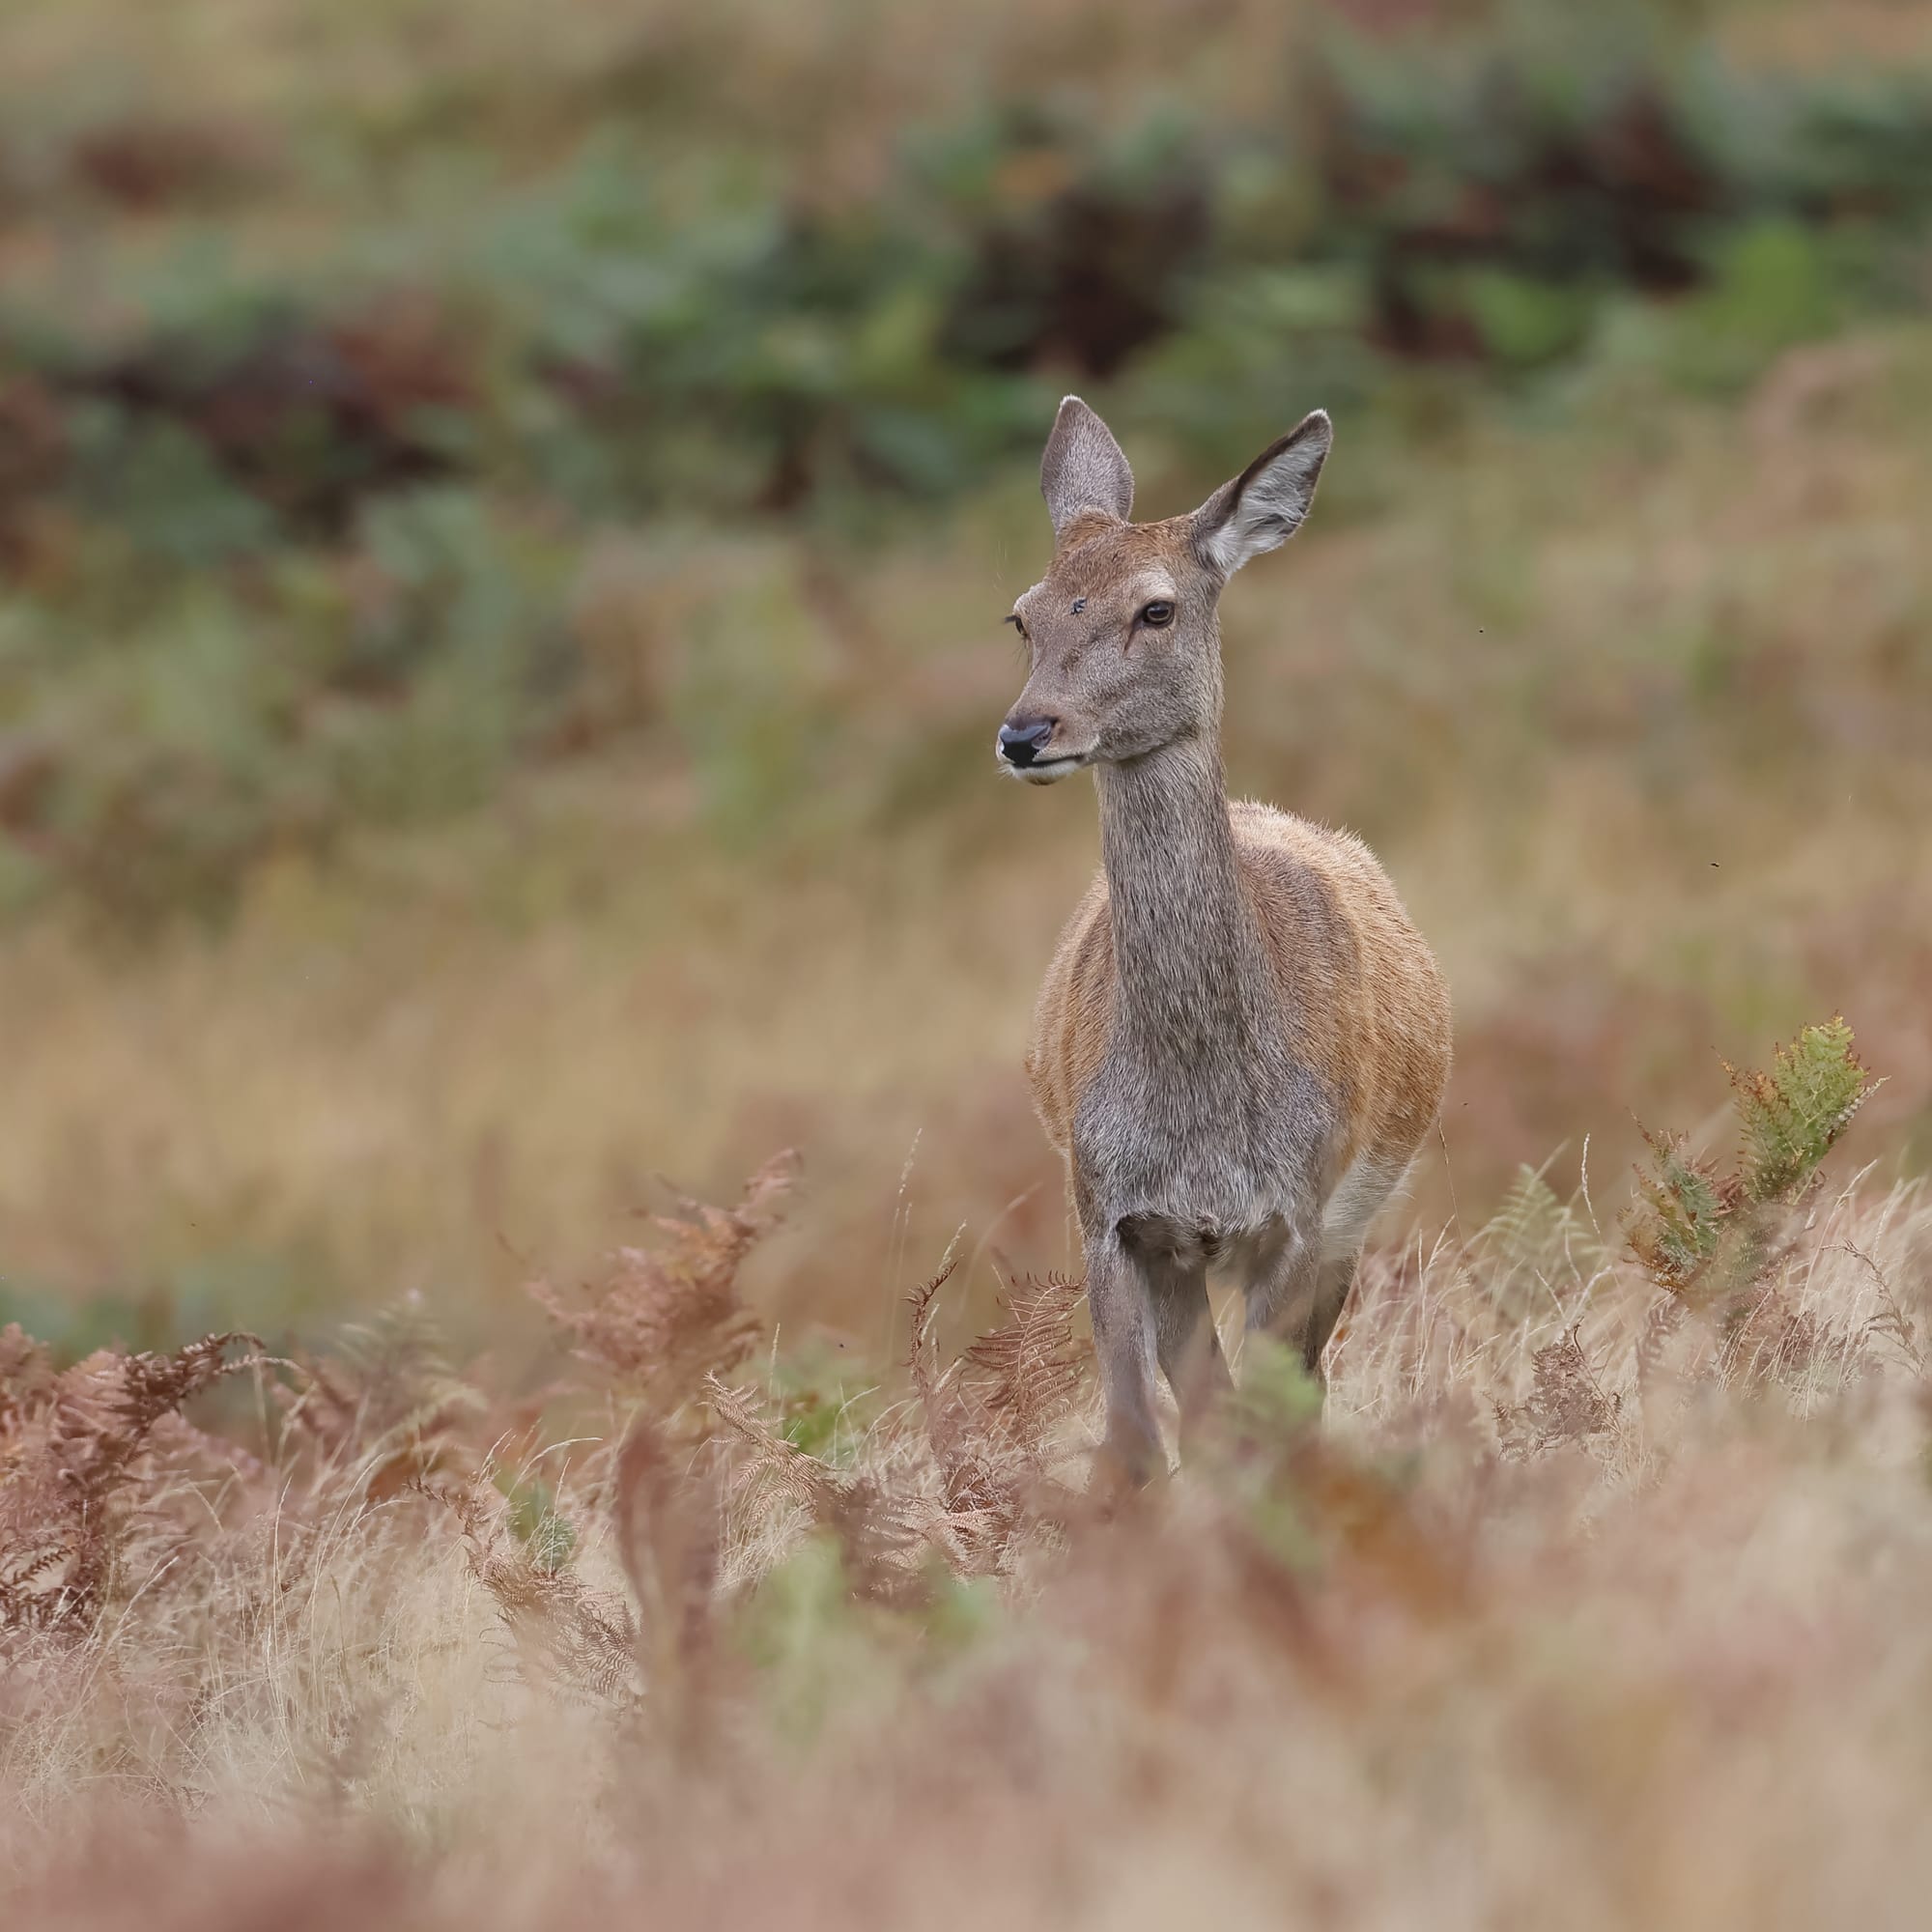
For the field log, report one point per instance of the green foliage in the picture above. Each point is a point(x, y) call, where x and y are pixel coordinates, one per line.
point(1706, 1235)
point(174, 1301)
point(185, 742)
point(1255, 1453)
point(1791, 1114)
point(1533, 1237)
point(963, 1612)
point(820, 1409)
point(1684, 1209)
point(1529, 1226)
point(1523, 322)
point(1277, 1397)
point(548, 1538)
point(808, 1638)
point(293, 529)
point(161, 486)
point(1773, 284)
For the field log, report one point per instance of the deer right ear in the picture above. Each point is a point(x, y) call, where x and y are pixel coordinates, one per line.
point(1084, 470)
point(1264, 505)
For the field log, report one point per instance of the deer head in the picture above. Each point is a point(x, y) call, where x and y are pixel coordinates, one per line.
point(1122, 631)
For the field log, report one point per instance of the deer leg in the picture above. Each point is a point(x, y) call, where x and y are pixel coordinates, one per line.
point(1185, 1339)
point(1334, 1282)
point(1122, 1304)
point(1284, 1286)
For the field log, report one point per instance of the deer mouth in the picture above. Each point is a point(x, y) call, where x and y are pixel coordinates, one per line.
point(1046, 771)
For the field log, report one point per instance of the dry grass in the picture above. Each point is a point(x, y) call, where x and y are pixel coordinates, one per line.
point(1636, 725)
point(1592, 1603)
point(1587, 1606)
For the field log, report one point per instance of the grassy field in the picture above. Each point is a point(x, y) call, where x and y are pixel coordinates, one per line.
point(1633, 705)
point(1590, 1602)
point(505, 524)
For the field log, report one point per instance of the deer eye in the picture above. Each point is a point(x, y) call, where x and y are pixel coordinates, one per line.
point(1157, 614)
point(1014, 621)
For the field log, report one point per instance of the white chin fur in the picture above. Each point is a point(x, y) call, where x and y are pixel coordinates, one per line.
point(1049, 771)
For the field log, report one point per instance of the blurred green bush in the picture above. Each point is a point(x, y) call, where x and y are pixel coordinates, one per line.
point(293, 543)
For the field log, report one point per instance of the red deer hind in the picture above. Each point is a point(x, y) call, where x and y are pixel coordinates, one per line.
point(1243, 1039)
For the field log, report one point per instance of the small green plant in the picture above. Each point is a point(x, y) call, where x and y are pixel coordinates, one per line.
point(1793, 1114)
point(1706, 1235)
point(1533, 1239)
point(548, 1538)
point(1278, 1400)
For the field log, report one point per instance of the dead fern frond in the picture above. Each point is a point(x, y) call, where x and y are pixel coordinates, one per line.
point(567, 1636)
point(77, 1465)
point(795, 1475)
point(991, 1432)
point(1892, 1324)
point(879, 1528)
point(27, 1378)
point(1566, 1403)
point(1766, 1338)
point(968, 1479)
point(1666, 1317)
point(662, 1319)
point(1031, 1365)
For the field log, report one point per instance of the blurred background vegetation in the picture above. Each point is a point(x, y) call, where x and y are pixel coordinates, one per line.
point(505, 513)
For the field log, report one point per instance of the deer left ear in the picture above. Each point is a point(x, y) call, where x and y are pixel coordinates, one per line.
point(1083, 470)
point(1264, 505)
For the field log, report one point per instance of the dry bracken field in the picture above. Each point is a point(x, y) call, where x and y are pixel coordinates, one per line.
point(1592, 1599)
point(505, 519)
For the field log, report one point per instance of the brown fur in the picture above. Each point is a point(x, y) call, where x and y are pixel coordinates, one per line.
point(1366, 1003)
point(1242, 1039)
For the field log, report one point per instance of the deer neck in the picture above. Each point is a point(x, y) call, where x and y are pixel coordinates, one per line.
point(1189, 967)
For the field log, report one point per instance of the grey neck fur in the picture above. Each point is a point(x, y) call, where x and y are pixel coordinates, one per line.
point(1191, 970)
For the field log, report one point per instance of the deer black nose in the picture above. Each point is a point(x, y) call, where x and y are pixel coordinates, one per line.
point(1022, 744)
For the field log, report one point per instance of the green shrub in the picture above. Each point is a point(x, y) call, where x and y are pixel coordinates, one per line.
point(298, 526)
point(1707, 1236)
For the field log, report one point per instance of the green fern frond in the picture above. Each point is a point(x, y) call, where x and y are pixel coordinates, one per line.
point(1791, 1114)
point(1680, 1222)
point(1709, 1237)
point(1538, 1245)
point(1527, 1230)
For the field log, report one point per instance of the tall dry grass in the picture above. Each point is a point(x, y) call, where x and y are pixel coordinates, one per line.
point(1593, 1602)
point(1634, 720)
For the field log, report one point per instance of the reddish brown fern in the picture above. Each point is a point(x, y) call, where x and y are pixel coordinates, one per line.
point(381, 1411)
point(968, 1476)
point(1566, 1401)
point(1031, 1367)
point(567, 1636)
point(991, 1432)
point(662, 1319)
point(879, 1528)
point(78, 1467)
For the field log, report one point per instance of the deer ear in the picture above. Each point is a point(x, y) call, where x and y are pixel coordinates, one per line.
point(1264, 506)
point(1083, 469)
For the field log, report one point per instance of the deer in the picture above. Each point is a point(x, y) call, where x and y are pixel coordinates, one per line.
point(1242, 1039)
